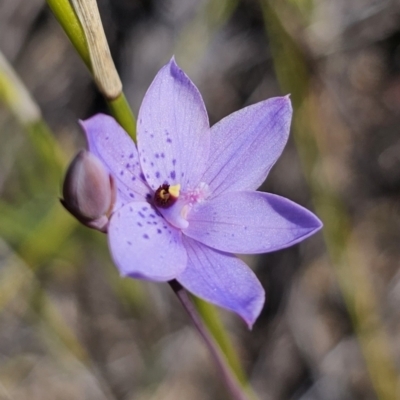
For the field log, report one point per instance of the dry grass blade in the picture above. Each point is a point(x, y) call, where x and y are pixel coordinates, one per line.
point(104, 71)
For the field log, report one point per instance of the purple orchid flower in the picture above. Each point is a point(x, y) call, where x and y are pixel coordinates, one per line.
point(186, 195)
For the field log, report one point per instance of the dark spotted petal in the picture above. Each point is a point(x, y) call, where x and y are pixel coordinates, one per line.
point(173, 130)
point(143, 245)
point(116, 150)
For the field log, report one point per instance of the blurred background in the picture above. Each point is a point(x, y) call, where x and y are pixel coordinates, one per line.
point(70, 328)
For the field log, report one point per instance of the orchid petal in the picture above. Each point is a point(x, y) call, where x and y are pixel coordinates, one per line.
point(250, 222)
point(173, 130)
point(143, 245)
point(116, 150)
point(222, 279)
point(246, 144)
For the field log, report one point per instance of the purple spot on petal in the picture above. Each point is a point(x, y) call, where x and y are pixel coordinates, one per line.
point(157, 155)
point(148, 196)
point(169, 140)
point(141, 214)
point(172, 174)
point(144, 208)
point(162, 155)
point(157, 174)
point(130, 243)
point(159, 231)
point(127, 165)
point(131, 195)
point(144, 160)
point(152, 216)
point(174, 162)
point(131, 155)
point(139, 224)
point(106, 137)
point(121, 173)
point(133, 178)
point(145, 236)
point(142, 176)
point(147, 176)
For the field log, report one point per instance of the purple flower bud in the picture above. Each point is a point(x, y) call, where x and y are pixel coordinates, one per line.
point(89, 191)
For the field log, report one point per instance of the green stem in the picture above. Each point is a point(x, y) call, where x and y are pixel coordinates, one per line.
point(214, 324)
point(123, 114)
point(67, 18)
point(229, 377)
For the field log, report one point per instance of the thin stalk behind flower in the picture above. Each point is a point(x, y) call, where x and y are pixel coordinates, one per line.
point(67, 18)
point(227, 374)
point(84, 29)
point(102, 65)
point(212, 320)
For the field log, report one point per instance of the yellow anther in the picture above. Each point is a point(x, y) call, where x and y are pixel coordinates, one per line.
point(174, 190)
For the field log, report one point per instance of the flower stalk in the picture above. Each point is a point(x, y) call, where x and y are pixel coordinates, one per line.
point(82, 24)
point(67, 18)
point(227, 374)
